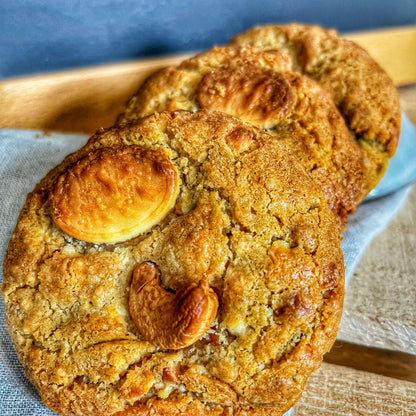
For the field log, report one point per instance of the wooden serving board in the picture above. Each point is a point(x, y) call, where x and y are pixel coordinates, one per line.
point(80, 101)
point(88, 99)
point(371, 374)
point(394, 49)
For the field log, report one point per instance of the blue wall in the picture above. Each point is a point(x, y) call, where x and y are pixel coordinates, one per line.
point(49, 35)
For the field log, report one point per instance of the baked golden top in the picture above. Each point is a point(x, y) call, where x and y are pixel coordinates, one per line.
point(261, 88)
point(249, 242)
point(258, 95)
point(363, 92)
point(112, 195)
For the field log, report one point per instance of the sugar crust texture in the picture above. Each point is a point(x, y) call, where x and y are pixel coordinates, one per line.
point(247, 219)
point(303, 84)
point(361, 89)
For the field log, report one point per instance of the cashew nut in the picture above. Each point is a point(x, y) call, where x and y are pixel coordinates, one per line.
point(166, 319)
point(114, 194)
point(258, 95)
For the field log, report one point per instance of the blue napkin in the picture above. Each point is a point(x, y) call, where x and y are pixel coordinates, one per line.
point(383, 202)
point(402, 167)
point(26, 156)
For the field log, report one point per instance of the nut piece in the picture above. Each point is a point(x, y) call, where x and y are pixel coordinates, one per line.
point(260, 96)
point(166, 319)
point(114, 194)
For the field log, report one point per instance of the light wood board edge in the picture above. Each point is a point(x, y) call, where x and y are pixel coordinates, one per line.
point(339, 391)
point(78, 101)
point(394, 364)
point(87, 99)
point(394, 49)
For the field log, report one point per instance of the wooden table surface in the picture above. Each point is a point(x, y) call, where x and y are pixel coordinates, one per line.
point(371, 369)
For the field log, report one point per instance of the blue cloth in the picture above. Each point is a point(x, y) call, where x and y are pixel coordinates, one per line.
point(383, 203)
point(402, 167)
point(26, 156)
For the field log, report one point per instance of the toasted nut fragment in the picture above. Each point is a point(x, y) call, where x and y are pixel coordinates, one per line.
point(260, 96)
point(166, 319)
point(114, 194)
point(239, 140)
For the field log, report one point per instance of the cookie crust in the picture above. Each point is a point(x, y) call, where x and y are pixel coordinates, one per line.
point(247, 219)
point(362, 91)
point(261, 87)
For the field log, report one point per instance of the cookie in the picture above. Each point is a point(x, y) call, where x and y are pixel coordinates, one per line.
point(261, 88)
point(222, 303)
point(363, 92)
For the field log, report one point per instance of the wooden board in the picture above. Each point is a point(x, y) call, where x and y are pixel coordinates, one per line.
point(380, 313)
point(88, 99)
point(394, 49)
point(341, 391)
point(80, 101)
point(380, 304)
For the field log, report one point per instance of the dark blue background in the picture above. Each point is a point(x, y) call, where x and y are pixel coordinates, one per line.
point(46, 35)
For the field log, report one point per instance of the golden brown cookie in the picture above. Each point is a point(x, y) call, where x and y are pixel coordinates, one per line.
point(261, 88)
point(363, 92)
point(225, 305)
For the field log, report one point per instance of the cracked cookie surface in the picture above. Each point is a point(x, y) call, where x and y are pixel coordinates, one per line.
point(247, 220)
point(261, 87)
point(362, 91)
